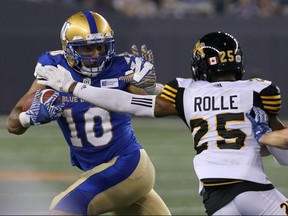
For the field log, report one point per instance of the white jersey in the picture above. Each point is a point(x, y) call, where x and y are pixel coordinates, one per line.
point(223, 136)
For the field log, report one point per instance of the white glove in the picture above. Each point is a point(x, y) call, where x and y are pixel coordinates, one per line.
point(57, 78)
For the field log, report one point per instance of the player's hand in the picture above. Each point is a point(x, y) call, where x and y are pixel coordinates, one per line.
point(259, 122)
point(142, 74)
point(145, 53)
point(57, 78)
point(41, 113)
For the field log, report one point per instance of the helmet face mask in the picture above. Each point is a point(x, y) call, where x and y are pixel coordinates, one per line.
point(217, 53)
point(85, 55)
point(88, 43)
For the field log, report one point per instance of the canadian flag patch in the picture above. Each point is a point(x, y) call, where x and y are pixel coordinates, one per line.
point(213, 60)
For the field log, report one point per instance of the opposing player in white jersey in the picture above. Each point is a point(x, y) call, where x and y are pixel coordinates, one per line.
point(213, 105)
point(118, 175)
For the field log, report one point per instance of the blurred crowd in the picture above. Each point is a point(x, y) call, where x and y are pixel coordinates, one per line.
point(181, 8)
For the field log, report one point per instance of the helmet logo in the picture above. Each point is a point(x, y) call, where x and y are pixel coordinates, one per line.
point(238, 58)
point(64, 31)
point(213, 60)
point(198, 52)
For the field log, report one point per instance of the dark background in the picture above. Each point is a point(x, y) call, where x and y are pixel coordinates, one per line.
point(28, 29)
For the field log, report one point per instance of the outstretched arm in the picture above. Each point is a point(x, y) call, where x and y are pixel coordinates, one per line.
point(277, 138)
point(115, 100)
point(110, 99)
point(274, 139)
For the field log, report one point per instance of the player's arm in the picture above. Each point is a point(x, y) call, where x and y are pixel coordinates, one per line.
point(280, 155)
point(123, 102)
point(164, 107)
point(13, 123)
point(135, 90)
point(263, 133)
point(271, 101)
point(278, 139)
point(39, 113)
point(274, 124)
point(119, 101)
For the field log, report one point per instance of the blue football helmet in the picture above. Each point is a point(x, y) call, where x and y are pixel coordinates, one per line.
point(88, 42)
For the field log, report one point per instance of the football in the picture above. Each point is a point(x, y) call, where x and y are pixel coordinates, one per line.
point(45, 95)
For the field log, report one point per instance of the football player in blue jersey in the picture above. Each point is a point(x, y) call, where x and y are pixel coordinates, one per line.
point(213, 104)
point(118, 174)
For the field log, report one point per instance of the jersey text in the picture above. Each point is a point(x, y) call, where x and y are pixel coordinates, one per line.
point(212, 103)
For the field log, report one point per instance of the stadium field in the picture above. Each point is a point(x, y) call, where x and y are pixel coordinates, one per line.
point(34, 167)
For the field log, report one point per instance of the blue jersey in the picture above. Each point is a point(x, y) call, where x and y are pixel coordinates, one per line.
point(93, 134)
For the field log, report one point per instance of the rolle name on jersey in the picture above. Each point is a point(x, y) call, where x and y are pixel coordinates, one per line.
point(213, 103)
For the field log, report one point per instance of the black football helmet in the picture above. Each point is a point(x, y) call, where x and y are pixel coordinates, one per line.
point(215, 53)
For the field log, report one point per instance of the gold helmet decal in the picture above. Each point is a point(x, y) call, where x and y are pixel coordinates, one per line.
point(198, 51)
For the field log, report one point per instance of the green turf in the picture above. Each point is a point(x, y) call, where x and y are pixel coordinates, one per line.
point(43, 149)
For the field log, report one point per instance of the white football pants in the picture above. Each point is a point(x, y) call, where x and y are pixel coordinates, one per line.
point(270, 202)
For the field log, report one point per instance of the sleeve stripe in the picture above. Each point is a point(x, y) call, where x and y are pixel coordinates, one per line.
point(142, 101)
point(168, 98)
point(271, 97)
point(170, 88)
point(168, 93)
point(140, 104)
point(272, 102)
point(272, 108)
